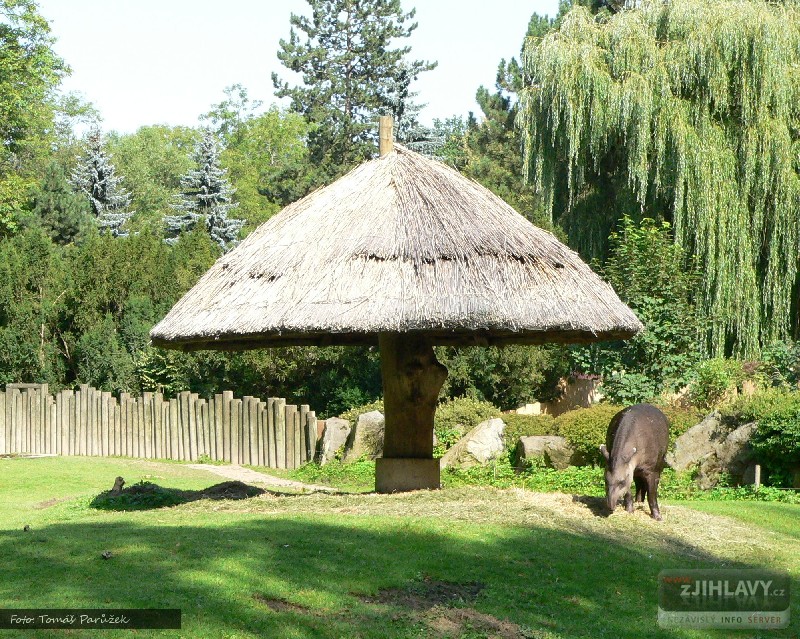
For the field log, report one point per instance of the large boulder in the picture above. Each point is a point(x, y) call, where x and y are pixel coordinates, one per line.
point(478, 447)
point(554, 450)
point(366, 438)
point(697, 443)
point(333, 439)
point(733, 456)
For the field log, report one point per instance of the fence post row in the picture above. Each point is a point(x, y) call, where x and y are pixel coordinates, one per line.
point(249, 430)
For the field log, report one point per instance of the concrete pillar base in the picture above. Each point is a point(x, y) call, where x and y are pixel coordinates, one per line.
point(399, 474)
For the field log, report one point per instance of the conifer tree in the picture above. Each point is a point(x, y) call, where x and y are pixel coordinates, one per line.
point(95, 177)
point(61, 212)
point(206, 198)
point(351, 74)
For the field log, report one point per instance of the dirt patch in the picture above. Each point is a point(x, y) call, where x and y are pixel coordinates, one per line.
point(280, 605)
point(426, 594)
point(51, 502)
point(455, 622)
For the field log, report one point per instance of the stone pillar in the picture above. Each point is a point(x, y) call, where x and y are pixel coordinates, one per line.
point(412, 378)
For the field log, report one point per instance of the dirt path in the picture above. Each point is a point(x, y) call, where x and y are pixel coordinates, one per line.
point(236, 472)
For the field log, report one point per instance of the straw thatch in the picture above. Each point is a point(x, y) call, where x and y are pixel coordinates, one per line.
point(401, 244)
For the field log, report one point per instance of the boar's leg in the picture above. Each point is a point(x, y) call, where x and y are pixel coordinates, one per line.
point(641, 488)
point(628, 501)
point(652, 495)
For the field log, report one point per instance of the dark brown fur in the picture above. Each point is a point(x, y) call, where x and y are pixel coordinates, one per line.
point(636, 444)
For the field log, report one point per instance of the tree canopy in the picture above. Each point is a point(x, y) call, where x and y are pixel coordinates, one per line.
point(686, 111)
point(350, 74)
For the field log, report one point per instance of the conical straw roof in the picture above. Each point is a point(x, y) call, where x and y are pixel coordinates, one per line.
point(401, 244)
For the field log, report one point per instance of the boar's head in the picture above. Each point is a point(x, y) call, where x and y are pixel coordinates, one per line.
point(619, 474)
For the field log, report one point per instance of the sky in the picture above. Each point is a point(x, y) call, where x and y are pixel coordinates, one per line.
point(143, 62)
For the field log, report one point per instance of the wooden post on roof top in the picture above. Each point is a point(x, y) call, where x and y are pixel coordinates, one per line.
point(385, 135)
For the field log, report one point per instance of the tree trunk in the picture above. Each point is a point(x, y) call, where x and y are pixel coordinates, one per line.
point(412, 378)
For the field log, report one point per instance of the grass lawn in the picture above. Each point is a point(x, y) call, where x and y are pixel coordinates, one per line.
point(462, 562)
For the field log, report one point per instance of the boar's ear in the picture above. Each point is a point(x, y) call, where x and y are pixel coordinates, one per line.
point(604, 450)
point(630, 455)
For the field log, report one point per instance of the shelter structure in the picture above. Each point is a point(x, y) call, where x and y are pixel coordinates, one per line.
point(405, 253)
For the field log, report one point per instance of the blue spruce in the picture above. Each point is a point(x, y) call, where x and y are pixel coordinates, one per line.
point(206, 198)
point(94, 177)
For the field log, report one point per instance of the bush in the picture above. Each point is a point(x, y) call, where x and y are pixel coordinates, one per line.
point(714, 381)
point(352, 414)
point(681, 419)
point(526, 425)
point(755, 407)
point(455, 417)
point(781, 363)
point(629, 388)
point(585, 429)
point(776, 444)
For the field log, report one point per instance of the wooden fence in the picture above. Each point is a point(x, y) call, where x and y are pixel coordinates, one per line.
point(268, 433)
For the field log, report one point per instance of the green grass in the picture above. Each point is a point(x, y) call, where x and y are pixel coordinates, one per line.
point(319, 565)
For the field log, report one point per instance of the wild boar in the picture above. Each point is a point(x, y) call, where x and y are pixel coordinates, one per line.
point(636, 444)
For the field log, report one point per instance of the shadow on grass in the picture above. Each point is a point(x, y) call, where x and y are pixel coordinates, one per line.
point(147, 496)
point(326, 573)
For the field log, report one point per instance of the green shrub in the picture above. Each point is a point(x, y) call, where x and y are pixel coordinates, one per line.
point(776, 444)
point(781, 363)
point(681, 419)
point(352, 414)
point(629, 388)
point(455, 417)
point(525, 425)
point(585, 429)
point(714, 381)
point(752, 408)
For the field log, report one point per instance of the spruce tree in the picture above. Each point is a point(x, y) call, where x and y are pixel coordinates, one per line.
point(206, 198)
point(61, 212)
point(95, 178)
point(351, 74)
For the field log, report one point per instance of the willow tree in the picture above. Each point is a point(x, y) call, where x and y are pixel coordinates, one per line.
point(688, 111)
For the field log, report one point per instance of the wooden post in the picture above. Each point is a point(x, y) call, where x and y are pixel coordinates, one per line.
point(236, 431)
point(219, 451)
point(280, 433)
point(291, 414)
point(270, 456)
point(304, 408)
point(252, 438)
point(174, 433)
point(227, 429)
point(412, 378)
point(386, 137)
point(311, 434)
point(757, 481)
point(244, 447)
point(158, 426)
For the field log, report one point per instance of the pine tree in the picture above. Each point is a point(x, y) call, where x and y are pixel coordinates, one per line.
point(350, 75)
point(206, 198)
point(95, 178)
point(61, 212)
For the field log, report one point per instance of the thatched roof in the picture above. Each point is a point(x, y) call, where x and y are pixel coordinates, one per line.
point(400, 244)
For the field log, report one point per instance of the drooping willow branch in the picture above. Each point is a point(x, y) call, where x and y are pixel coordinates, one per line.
point(693, 107)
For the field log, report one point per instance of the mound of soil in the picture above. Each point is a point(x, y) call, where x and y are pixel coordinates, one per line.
point(146, 495)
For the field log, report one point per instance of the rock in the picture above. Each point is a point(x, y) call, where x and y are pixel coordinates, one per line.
point(556, 451)
point(366, 438)
point(732, 456)
point(478, 447)
point(697, 443)
point(333, 439)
